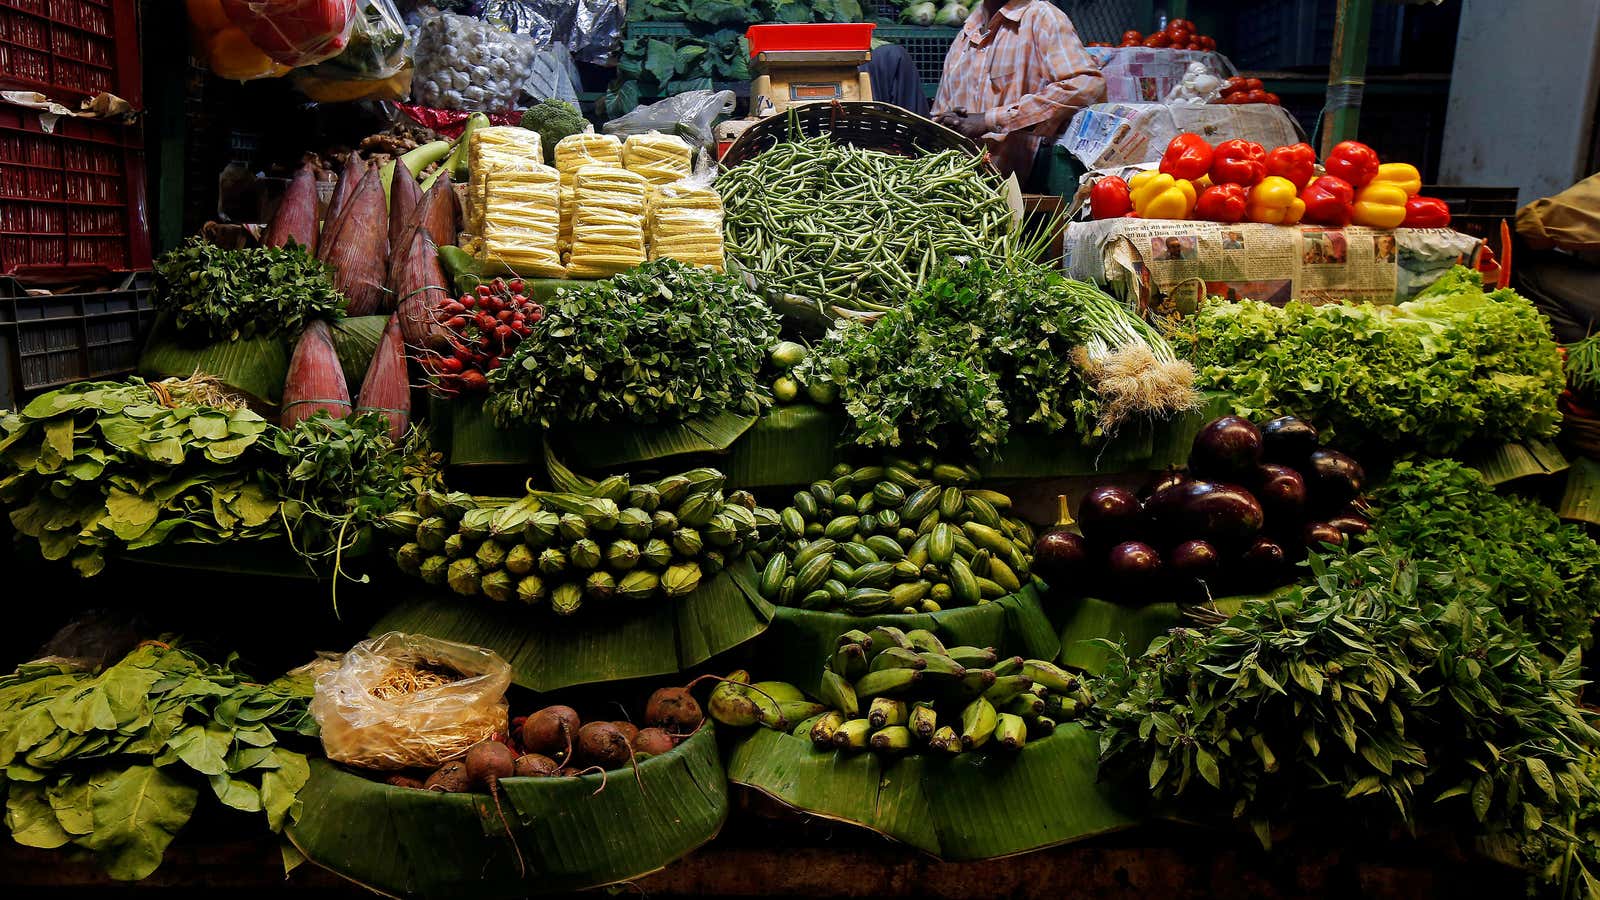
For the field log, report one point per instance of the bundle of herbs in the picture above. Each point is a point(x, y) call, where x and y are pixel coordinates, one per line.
point(115, 762)
point(658, 343)
point(1543, 574)
point(1451, 366)
point(984, 347)
point(213, 294)
point(1386, 692)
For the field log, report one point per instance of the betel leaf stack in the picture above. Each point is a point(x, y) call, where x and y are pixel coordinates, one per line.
point(904, 537)
point(614, 541)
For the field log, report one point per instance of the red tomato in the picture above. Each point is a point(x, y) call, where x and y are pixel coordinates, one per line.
point(1177, 32)
point(1207, 42)
point(1159, 39)
point(1185, 24)
point(1254, 84)
point(1273, 99)
point(1254, 96)
point(1131, 35)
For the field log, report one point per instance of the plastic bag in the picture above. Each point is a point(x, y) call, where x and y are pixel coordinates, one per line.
point(224, 47)
point(685, 222)
point(548, 22)
point(420, 729)
point(660, 158)
point(295, 32)
point(607, 221)
point(1199, 85)
point(596, 33)
point(465, 63)
point(373, 66)
point(690, 115)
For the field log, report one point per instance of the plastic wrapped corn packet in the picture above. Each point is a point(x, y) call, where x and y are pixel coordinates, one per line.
point(660, 158)
point(521, 220)
point(685, 222)
point(607, 222)
point(577, 150)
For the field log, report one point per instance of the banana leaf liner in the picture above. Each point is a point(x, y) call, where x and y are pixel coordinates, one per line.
point(1085, 619)
point(604, 446)
point(967, 807)
point(1140, 445)
point(799, 640)
point(255, 367)
point(1580, 502)
point(1508, 462)
point(573, 835)
point(789, 446)
point(548, 652)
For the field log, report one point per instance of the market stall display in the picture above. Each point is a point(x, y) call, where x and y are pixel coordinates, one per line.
point(996, 558)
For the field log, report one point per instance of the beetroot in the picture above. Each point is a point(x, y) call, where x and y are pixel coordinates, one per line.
point(674, 709)
point(551, 731)
point(653, 742)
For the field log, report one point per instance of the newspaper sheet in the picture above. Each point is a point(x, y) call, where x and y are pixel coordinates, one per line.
point(1172, 264)
point(1109, 135)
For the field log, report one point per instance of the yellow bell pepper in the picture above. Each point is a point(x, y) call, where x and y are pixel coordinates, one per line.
point(1381, 204)
point(1405, 175)
point(1274, 200)
point(1157, 195)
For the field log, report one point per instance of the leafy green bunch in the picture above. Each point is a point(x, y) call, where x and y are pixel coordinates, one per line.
point(1453, 365)
point(214, 294)
point(744, 12)
point(107, 464)
point(979, 349)
point(659, 343)
point(1544, 575)
point(1385, 689)
point(115, 762)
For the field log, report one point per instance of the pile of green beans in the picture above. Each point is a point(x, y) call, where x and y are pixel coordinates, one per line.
point(851, 233)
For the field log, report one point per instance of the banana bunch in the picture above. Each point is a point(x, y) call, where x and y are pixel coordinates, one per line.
point(686, 224)
point(660, 158)
point(901, 537)
point(891, 691)
point(612, 540)
point(778, 705)
point(607, 221)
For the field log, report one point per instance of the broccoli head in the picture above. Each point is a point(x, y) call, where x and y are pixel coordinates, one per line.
point(553, 119)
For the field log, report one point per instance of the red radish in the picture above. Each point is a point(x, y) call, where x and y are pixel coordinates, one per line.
point(386, 389)
point(357, 247)
point(296, 218)
point(315, 382)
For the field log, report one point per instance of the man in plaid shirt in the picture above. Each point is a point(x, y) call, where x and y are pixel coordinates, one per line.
point(1013, 77)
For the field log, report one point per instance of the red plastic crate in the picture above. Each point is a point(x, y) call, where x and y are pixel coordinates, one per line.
point(72, 200)
point(71, 49)
point(841, 36)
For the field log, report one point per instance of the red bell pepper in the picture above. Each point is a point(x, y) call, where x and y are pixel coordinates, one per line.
point(1188, 157)
point(1238, 162)
point(1296, 162)
point(1353, 161)
point(1426, 212)
point(1109, 198)
point(1329, 200)
point(1222, 203)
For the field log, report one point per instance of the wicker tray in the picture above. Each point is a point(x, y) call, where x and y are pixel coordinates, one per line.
point(859, 123)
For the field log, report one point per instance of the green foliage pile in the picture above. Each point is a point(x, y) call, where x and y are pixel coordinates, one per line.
point(214, 294)
point(1387, 690)
point(115, 762)
point(1452, 366)
point(659, 343)
point(1544, 575)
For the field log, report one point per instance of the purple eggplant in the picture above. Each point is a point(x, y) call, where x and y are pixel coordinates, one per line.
point(1226, 449)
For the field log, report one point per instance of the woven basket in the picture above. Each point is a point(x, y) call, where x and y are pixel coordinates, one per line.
point(858, 123)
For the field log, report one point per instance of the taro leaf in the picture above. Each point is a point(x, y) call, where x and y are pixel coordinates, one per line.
point(203, 748)
point(210, 426)
point(254, 507)
point(69, 799)
point(130, 516)
point(137, 812)
point(31, 820)
point(241, 795)
point(280, 785)
point(661, 61)
point(58, 441)
point(82, 711)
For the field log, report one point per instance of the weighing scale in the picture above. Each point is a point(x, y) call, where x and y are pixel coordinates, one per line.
point(807, 64)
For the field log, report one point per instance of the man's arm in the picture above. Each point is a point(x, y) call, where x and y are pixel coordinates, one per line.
point(1074, 82)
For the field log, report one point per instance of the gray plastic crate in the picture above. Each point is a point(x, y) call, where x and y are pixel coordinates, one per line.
point(54, 339)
